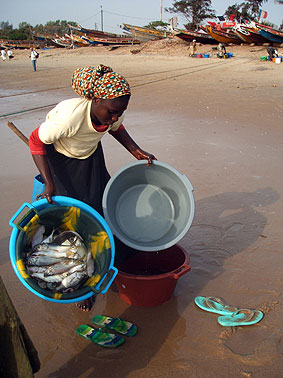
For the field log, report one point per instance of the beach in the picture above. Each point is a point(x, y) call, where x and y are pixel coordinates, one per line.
point(217, 121)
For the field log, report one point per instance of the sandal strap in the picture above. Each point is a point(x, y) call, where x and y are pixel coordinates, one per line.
point(210, 302)
point(248, 313)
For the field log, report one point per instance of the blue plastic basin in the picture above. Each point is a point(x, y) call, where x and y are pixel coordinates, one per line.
point(81, 218)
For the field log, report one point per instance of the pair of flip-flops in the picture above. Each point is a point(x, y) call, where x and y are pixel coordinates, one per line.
point(231, 316)
point(101, 336)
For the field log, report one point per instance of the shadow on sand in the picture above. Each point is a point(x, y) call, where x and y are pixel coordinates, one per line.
point(224, 225)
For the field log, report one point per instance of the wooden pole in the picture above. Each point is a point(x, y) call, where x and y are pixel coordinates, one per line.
point(18, 132)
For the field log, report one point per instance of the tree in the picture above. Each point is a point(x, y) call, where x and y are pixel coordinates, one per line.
point(194, 11)
point(156, 25)
point(5, 25)
point(247, 10)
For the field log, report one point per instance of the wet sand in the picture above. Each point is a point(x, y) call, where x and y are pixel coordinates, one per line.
point(219, 123)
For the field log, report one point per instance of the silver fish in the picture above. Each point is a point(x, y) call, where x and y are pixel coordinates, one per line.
point(41, 260)
point(90, 264)
point(63, 266)
point(38, 236)
point(71, 280)
point(57, 251)
point(36, 269)
point(55, 278)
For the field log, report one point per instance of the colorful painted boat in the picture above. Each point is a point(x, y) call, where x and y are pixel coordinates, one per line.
point(107, 41)
point(188, 36)
point(273, 35)
point(145, 34)
point(223, 37)
point(249, 35)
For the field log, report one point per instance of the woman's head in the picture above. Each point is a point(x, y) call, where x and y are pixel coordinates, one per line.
point(107, 111)
point(99, 82)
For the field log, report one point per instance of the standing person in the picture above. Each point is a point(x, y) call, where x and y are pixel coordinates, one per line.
point(33, 57)
point(66, 147)
point(3, 54)
point(193, 47)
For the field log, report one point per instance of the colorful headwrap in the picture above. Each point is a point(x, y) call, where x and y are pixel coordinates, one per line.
point(101, 82)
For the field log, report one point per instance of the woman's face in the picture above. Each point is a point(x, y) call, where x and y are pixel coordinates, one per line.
point(107, 112)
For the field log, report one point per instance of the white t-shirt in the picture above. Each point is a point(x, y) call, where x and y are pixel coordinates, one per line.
point(68, 126)
point(33, 55)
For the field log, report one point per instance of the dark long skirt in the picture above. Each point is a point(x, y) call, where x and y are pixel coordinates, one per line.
point(85, 180)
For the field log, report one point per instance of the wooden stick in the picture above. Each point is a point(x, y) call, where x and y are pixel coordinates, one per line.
point(18, 132)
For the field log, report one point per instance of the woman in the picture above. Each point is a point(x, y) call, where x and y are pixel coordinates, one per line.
point(66, 148)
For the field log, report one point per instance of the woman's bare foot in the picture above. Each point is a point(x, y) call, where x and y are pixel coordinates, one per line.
point(87, 304)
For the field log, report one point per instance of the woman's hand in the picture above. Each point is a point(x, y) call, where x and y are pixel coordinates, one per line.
point(48, 193)
point(143, 155)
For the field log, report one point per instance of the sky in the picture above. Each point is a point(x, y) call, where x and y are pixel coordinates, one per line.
point(88, 13)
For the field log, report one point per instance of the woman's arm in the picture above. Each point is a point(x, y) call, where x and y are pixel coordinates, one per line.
point(43, 167)
point(124, 138)
point(38, 151)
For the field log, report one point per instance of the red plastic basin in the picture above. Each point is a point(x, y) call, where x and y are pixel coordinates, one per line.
point(149, 279)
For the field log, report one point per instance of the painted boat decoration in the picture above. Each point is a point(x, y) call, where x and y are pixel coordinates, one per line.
point(249, 35)
point(271, 34)
point(223, 37)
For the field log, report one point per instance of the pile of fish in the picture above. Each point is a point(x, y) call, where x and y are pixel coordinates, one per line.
point(60, 262)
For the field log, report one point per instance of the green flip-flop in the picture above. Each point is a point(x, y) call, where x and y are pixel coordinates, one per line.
point(216, 305)
point(99, 336)
point(240, 318)
point(115, 324)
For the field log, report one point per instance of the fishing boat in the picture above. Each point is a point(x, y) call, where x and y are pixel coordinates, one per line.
point(63, 41)
point(16, 44)
point(188, 36)
point(222, 36)
point(249, 35)
point(79, 30)
point(273, 35)
point(108, 41)
point(145, 34)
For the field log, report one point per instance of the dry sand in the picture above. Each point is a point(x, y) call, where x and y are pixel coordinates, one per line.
point(220, 123)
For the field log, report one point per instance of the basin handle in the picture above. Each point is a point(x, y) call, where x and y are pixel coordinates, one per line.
point(26, 218)
point(181, 271)
point(105, 282)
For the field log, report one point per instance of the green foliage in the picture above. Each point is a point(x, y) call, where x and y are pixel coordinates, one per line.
point(24, 30)
point(156, 25)
point(194, 11)
point(247, 10)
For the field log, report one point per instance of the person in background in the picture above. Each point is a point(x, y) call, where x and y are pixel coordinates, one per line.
point(3, 54)
point(33, 57)
point(10, 54)
point(192, 48)
point(221, 50)
point(66, 147)
point(272, 52)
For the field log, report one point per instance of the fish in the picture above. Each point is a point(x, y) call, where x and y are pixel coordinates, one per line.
point(60, 262)
point(90, 264)
point(63, 266)
point(57, 251)
point(38, 236)
point(41, 260)
point(54, 278)
point(36, 269)
point(71, 280)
